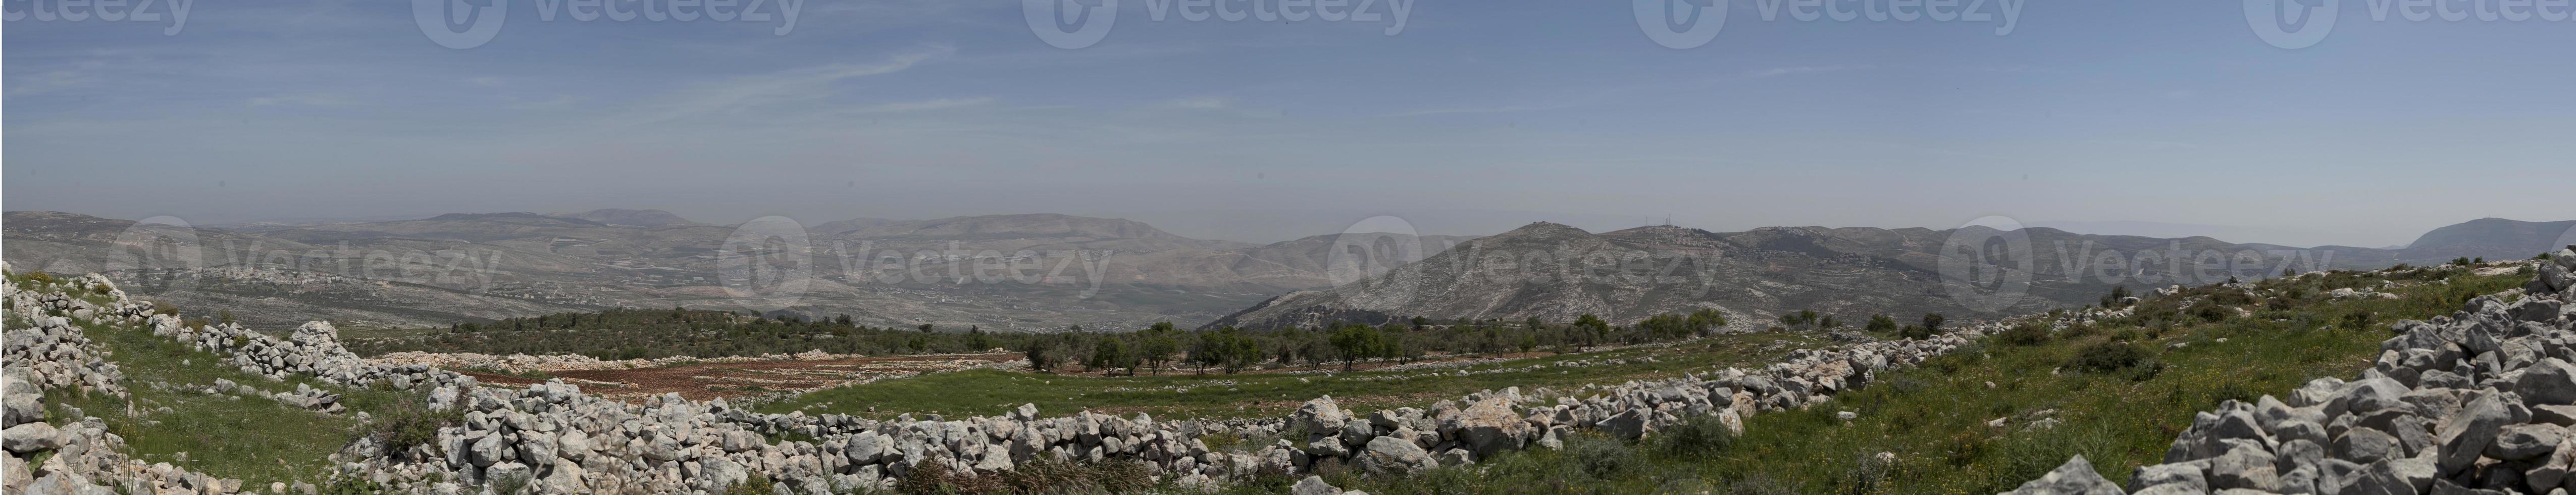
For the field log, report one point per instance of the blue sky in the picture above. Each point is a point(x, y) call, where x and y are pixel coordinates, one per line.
point(1476, 117)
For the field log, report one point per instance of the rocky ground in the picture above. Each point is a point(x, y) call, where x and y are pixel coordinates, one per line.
point(2477, 402)
point(554, 437)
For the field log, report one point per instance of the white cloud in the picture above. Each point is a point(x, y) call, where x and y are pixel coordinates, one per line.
point(772, 88)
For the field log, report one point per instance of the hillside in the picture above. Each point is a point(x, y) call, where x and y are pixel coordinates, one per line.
point(997, 271)
point(1557, 273)
point(2495, 238)
point(1045, 271)
point(1977, 409)
point(639, 218)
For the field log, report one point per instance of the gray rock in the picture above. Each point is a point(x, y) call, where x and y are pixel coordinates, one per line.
point(2185, 475)
point(507, 473)
point(2244, 467)
point(2366, 445)
point(1320, 416)
point(2076, 477)
point(1388, 455)
point(1313, 485)
point(1630, 424)
point(2465, 435)
point(31, 437)
point(1456, 457)
point(22, 407)
point(487, 451)
point(2551, 381)
point(1490, 426)
point(2526, 441)
point(2554, 414)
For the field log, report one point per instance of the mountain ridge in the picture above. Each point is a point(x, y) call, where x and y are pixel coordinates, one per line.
point(1852, 272)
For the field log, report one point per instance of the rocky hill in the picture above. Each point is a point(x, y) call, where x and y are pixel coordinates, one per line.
point(2495, 238)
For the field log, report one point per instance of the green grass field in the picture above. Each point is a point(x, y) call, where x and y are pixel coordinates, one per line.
point(1933, 419)
point(254, 439)
point(1217, 395)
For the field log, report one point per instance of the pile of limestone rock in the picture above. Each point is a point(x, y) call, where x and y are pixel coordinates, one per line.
point(56, 354)
point(46, 351)
point(2481, 401)
point(313, 350)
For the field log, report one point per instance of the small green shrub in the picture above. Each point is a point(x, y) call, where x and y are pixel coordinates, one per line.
point(2213, 313)
point(755, 485)
point(2107, 357)
point(1600, 457)
point(514, 485)
point(1700, 437)
point(413, 423)
point(2077, 331)
point(2026, 334)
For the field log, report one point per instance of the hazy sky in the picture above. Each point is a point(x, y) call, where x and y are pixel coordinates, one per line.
point(1474, 117)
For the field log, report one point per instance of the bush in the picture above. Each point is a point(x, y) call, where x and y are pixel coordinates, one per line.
point(2232, 298)
point(2106, 357)
point(2213, 313)
point(2077, 331)
point(1915, 332)
point(756, 485)
point(2024, 334)
point(1598, 456)
point(515, 485)
point(414, 423)
point(1699, 438)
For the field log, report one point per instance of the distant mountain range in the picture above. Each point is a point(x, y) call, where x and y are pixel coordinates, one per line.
point(1028, 272)
point(1760, 274)
point(1047, 271)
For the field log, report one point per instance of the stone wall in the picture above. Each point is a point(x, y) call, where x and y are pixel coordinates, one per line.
point(2481, 401)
